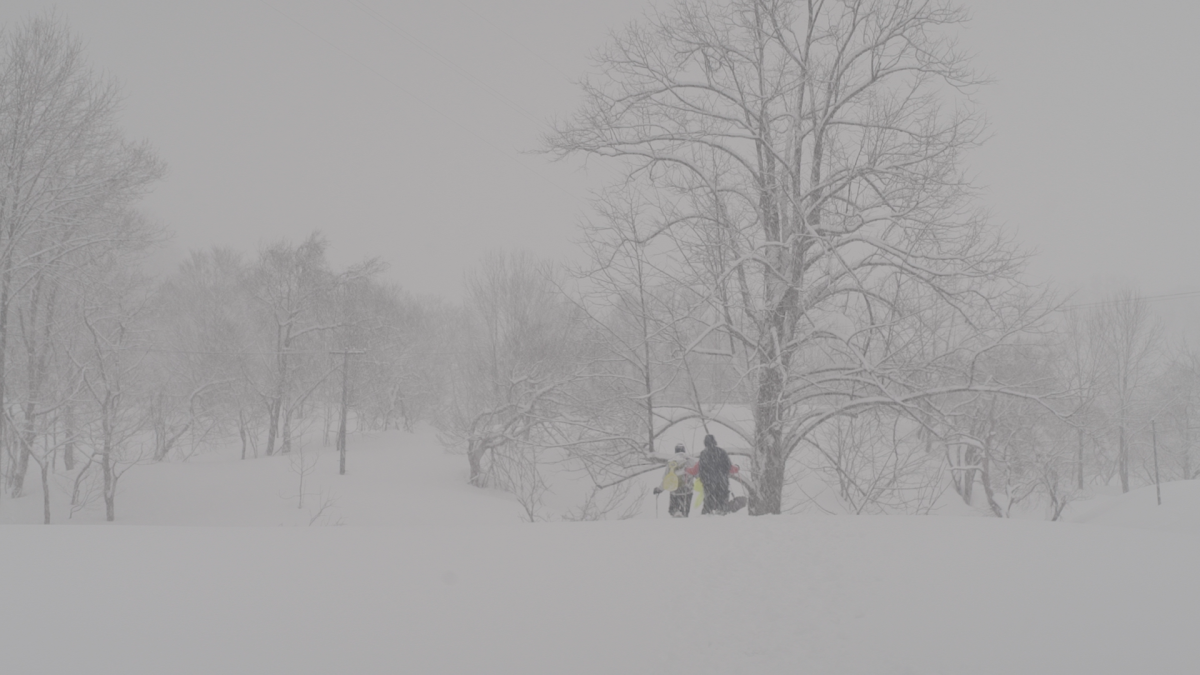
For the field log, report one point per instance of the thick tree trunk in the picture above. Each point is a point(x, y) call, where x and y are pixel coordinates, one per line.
point(767, 495)
point(275, 408)
point(272, 424)
point(781, 284)
point(17, 473)
point(26, 438)
point(768, 461)
point(985, 477)
point(285, 432)
point(964, 478)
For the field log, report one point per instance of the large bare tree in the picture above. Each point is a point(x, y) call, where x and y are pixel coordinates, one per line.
point(805, 160)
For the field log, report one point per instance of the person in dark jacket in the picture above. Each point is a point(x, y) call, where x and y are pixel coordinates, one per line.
point(713, 470)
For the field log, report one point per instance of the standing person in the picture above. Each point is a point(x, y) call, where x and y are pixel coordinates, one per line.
point(713, 470)
point(678, 482)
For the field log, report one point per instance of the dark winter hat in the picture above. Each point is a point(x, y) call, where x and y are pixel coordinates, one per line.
point(710, 442)
point(679, 447)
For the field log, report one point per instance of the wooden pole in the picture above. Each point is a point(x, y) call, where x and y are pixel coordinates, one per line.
point(1154, 442)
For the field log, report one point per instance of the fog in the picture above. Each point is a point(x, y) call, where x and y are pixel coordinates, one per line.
point(409, 130)
point(465, 275)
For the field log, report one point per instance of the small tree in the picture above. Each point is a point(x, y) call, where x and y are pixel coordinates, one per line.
point(1130, 341)
point(513, 361)
point(111, 359)
point(1177, 393)
point(297, 289)
point(1079, 369)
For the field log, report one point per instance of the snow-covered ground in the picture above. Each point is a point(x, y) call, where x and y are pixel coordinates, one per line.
point(1179, 512)
point(431, 576)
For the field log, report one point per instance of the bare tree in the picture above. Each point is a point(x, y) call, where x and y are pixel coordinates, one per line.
point(303, 466)
point(290, 282)
point(202, 333)
point(1017, 448)
point(512, 362)
point(1177, 393)
point(1130, 340)
point(805, 160)
point(111, 360)
point(297, 288)
point(638, 322)
point(879, 463)
point(1080, 370)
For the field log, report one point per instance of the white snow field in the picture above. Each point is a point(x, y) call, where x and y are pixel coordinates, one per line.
point(431, 576)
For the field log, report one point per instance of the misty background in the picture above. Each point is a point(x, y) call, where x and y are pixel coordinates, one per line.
point(408, 130)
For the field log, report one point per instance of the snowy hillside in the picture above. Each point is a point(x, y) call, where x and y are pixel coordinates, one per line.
point(431, 576)
point(1179, 512)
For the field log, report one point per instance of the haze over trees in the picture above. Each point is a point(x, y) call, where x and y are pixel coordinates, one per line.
point(792, 257)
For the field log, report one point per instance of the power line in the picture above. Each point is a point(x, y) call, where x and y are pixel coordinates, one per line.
point(327, 352)
point(200, 352)
point(422, 101)
point(1142, 298)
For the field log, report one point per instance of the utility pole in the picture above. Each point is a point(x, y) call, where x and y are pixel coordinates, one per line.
point(341, 441)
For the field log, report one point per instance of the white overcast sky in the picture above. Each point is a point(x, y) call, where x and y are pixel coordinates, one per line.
point(405, 130)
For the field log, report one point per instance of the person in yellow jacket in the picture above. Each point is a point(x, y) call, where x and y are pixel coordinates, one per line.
point(678, 482)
